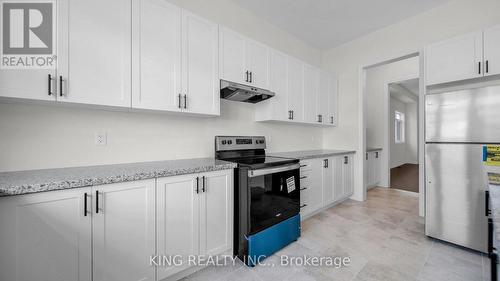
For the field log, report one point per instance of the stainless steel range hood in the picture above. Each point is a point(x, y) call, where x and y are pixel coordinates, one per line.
point(239, 92)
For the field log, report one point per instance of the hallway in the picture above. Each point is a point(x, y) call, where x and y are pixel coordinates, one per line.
point(405, 177)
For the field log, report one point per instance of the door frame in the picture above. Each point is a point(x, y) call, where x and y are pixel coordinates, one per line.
point(386, 157)
point(361, 168)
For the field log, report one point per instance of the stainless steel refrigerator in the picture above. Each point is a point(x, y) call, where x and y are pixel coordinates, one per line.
point(457, 125)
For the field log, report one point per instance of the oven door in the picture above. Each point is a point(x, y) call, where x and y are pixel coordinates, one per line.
point(274, 195)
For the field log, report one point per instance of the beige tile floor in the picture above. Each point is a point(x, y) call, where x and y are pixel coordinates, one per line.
point(384, 239)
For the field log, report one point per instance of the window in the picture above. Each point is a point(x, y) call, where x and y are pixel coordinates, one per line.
point(399, 127)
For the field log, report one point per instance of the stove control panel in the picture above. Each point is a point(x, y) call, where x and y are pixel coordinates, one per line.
point(223, 143)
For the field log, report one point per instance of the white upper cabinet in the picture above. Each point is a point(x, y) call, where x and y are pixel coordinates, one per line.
point(456, 59)
point(303, 93)
point(123, 222)
point(243, 60)
point(296, 89)
point(323, 92)
point(331, 118)
point(258, 64)
point(156, 45)
point(492, 51)
point(20, 78)
point(232, 55)
point(276, 108)
point(200, 65)
point(175, 56)
point(310, 92)
point(94, 52)
point(326, 102)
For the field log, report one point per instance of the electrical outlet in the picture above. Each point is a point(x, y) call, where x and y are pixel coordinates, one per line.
point(100, 138)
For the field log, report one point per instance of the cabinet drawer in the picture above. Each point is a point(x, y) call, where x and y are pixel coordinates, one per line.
point(305, 165)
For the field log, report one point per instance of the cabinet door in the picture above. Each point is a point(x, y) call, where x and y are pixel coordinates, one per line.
point(315, 188)
point(124, 231)
point(455, 59)
point(311, 82)
point(200, 64)
point(322, 99)
point(18, 76)
point(338, 177)
point(296, 88)
point(232, 56)
point(177, 220)
point(216, 209)
point(377, 169)
point(369, 168)
point(332, 102)
point(258, 64)
point(347, 175)
point(279, 85)
point(156, 47)
point(492, 50)
point(327, 181)
point(46, 236)
point(95, 52)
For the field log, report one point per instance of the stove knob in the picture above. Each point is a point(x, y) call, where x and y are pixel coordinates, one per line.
point(229, 142)
point(223, 142)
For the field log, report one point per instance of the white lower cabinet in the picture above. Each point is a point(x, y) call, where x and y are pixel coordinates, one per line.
point(110, 232)
point(194, 217)
point(372, 168)
point(311, 194)
point(123, 232)
point(46, 237)
point(101, 233)
point(325, 181)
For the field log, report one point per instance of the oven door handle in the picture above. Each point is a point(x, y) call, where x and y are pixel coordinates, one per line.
point(267, 171)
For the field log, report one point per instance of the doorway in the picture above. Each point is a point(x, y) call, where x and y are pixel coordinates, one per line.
point(403, 135)
point(377, 121)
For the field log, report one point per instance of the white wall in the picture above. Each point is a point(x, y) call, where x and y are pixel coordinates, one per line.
point(377, 79)
point(34, 136)
point(412, 133)
point(450, 19)
point(398, 153)
point(377, 110)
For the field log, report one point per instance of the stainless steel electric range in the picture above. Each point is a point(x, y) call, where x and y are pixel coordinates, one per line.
point(266, 197)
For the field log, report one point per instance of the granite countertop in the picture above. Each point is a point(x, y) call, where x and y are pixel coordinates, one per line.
point(494, 191)
point(310, 154)
point(31, 181)
point(368, 149)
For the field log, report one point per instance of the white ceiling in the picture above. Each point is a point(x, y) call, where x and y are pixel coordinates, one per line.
point(328, 23)
point(406, 91)
point(411, 85)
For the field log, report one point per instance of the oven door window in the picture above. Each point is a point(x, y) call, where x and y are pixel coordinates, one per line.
point(274, 198)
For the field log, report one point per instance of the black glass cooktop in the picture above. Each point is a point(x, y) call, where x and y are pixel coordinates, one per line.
point(262, 161)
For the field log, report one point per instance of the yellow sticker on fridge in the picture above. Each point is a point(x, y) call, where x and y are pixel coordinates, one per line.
point(491, 155)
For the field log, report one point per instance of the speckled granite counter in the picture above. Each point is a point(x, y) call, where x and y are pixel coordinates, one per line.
point(369, 149)
point(31, 181)
point(494, 191)
point(311, 154)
